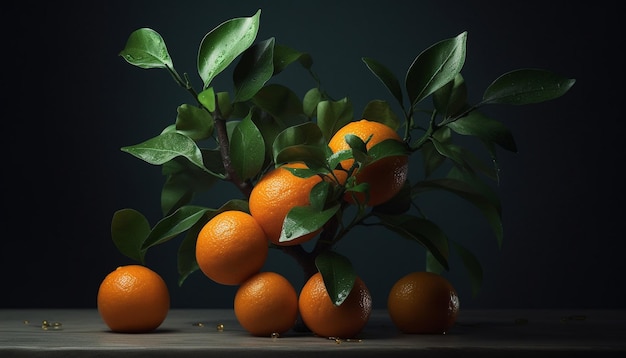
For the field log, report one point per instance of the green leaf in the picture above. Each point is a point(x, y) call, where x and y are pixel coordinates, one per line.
point(432, 160)
point(453, 152)
point(332, 115)
point(129, 229)
point(284, 56)
point(247, 149)
point(485, 128)
point(451, 99)
point(223, 44)
point(194, 122)
point(186, 262)
point(380, 111)
point(435, 67)
point(145, 48)
point(526, 86)
point(432, 265)
point(281, 102)
point(165, 147)
point(302, 220)
point(386, 77)
point(425, 232)
point(254, 69)
point(171, 226)
point(472, 265)
point(338, 275)
point(310, 101)
point(303, 142)
point(207, 99)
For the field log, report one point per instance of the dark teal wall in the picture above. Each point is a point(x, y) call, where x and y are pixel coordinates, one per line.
point(73, 103)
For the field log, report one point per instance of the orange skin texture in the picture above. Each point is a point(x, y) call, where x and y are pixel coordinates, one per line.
point(423, 303)
point(385, 176)
point(133, 299)
point(231, 247)
point(325, 319)
point(266, 303)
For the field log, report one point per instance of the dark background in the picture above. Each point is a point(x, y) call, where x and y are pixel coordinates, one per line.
point(71, 103)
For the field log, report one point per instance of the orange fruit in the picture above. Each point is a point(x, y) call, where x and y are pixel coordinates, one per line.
point(231, 247)
point(133, 299)
point(385, 176)
point(266, 303)
point(277, 192)
point(323, 318)
point(423, 302)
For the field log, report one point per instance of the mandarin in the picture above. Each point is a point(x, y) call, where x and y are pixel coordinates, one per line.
point(231, 247)
point(385, 176)
point(133, 299)
point(275, 194)
point(324, 318)
point(266, 304)
point(423, 302)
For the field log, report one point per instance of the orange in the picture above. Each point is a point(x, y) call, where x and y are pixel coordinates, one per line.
point(423, 302)
point(325, 319)
point(231, 247)
point(277, 192)
point(385, 176)
point(266, 303)
point(133, 299)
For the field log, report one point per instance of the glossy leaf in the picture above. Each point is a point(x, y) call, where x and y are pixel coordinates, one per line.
point(165, 147)
point(145, 48)
point(451, 99)
point(302, 220)
point(338, 275)
point(332, 115)
point(284, 56)
point(281, 102)
point(129, 229)
point(207, 99)
point(173, 225)
point(254, 69)
point(526, 86)
point(186, 257)
point(194, 122)
point(303, 142)
point(222, 45)
point(425, 232)
point(453, 152)
point(435, 67)
point(487, 129)
point(247, 149)
point(380, 111)
point(386, 77)
point(310, 102)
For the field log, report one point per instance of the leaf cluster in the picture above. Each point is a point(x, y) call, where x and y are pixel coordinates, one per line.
point(237, 136)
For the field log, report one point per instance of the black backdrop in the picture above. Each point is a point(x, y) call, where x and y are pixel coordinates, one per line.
point(70, 103)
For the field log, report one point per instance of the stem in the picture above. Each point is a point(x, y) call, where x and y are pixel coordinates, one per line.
point(222, 139)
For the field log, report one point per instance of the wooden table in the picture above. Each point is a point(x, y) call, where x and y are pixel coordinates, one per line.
point(195, 333)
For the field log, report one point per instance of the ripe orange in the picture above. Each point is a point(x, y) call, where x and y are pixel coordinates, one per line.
point(231, 247)
point(266, 303)
point(325, 319)
point(133, 299)
point(423, 302)
point(274, 195)
point(385, 176)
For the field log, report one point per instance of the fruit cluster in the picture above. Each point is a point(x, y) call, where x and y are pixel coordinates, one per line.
point(309, 172)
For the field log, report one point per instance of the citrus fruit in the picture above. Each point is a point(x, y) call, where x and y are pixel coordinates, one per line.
point(231, 247)
point(133, 299)
point(423, 302)
point(266, 303)
point(324, 318)
point(385, 176)
point(275, 194)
